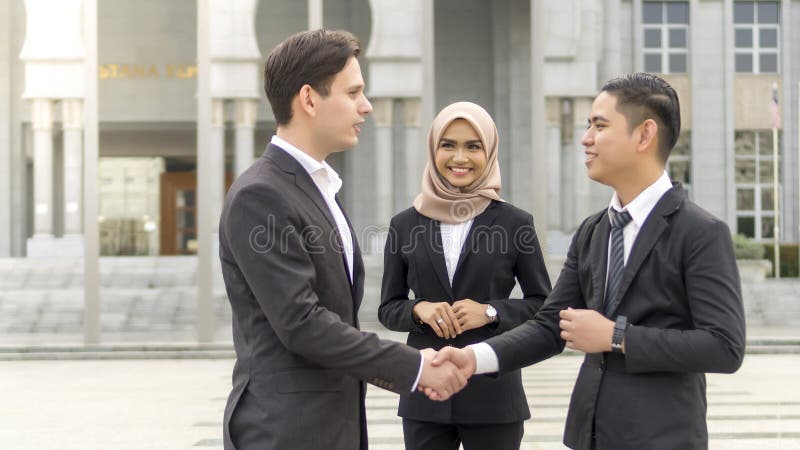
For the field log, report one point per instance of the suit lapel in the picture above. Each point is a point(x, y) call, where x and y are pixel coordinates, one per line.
point(435, 251)
point(598, 258)
point(302, 179)
point(477, 231)
point(652, 229)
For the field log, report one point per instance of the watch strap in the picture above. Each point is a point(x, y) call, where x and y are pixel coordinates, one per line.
point(620, 326)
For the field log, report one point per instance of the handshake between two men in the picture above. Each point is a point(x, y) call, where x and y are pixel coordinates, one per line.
point(447, 371)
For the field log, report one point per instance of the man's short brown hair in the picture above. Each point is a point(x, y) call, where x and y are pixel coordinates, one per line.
point(310, 57)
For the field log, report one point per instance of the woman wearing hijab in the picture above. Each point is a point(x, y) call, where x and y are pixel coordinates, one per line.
point(458, 251)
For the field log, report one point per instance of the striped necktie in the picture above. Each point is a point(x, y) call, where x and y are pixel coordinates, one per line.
point(616, 262)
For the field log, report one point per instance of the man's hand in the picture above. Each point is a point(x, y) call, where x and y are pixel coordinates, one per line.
point(461, 358)
point(441, 381)
point(586, 330)
point(440, 317)
point(470, 314)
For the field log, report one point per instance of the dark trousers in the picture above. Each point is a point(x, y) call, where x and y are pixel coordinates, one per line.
point(442, 436)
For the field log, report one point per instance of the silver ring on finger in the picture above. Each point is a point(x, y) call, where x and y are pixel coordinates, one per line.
point(440, 321)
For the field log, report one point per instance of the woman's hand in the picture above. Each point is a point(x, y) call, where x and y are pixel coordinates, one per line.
point(440, 317)
point(470, 314)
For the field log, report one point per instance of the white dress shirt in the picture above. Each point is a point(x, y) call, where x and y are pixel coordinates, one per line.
point(639, 209)
point(328, 182)
point(453, 237)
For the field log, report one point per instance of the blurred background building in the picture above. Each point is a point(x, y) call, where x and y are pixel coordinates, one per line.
point(534, 65)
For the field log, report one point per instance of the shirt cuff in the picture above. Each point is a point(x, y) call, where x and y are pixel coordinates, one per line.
point(419, 372)
point(485, 358)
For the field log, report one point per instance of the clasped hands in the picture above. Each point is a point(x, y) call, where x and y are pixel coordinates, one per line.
point(446, 372)
point(448, 321)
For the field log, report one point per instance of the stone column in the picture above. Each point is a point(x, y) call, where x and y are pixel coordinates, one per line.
point(415, 154)
point(611, 63)
point(42, 110)
point(382, 110)
point(315, 14)
point(246, 113)
point(216, 162)
point(72, 119)
point(581, 108)
point(538, 172)
point(553, 142)
point(8, 220)
point(208, 113)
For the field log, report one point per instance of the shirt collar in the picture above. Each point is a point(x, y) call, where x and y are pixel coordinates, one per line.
point(641, 206)
point(310, 164)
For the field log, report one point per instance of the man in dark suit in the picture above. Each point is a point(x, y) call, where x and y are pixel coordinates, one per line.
point(293, 270)
point(650, 290)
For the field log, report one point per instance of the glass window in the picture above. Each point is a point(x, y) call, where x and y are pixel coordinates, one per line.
point(744, 37)
point(665, 36)
point(652, 38)
point(679, 171)
point(745, 199)
point(757, 36)
point(679, 165)
point(766, 200)
point(768, 63)
point(651, 12)
point(767, 12)
point(652, 63)
point(677, 12)
point(745, 171)
point(767, 37)
point(746, 226)
point(677, 63)
point(743, 12)
point(765, 171)
point(745, 142)
point(677, 38)
point(744, 62)
point(754, 175)
point(765, 143)
point(767, 227)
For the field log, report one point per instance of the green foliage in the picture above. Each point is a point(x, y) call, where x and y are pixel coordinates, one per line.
point(789, 257)
point(746, 248)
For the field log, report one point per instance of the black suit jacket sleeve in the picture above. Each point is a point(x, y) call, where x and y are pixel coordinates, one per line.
point(540, 338)
point(531, 273)
point(265, 237)
point(717, 342)
point(396, 310)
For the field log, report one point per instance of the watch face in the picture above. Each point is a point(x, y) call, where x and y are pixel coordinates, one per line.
point(490, 311)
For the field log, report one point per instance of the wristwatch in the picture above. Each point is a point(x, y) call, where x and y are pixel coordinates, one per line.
point(620, 326)
point(491, 313)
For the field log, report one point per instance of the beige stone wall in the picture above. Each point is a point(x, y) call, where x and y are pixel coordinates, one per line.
point(752, 94)
point(681, 84)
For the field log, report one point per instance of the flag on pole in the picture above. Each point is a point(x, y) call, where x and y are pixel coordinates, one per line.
point(773, 106)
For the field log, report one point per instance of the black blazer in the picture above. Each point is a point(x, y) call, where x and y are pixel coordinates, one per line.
point(300, 358)
point(681, 292)
point(501, 246)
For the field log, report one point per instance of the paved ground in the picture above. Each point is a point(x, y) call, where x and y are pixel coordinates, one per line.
point(71, 398)
point(177, 404)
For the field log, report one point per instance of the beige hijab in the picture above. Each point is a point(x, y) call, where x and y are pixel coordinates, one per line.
point(441, 201)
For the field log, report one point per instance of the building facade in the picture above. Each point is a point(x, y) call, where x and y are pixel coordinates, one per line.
point(534, 65)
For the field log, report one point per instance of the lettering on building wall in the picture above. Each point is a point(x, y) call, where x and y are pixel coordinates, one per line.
point(146, 71)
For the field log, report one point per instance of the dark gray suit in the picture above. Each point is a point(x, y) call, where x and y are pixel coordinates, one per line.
point(501, 247)
point(300, 356)
point(681, 291)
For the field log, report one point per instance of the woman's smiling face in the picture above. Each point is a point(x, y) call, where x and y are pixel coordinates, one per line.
point(460, 154)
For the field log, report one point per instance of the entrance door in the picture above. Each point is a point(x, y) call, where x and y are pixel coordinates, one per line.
point(179, 212)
